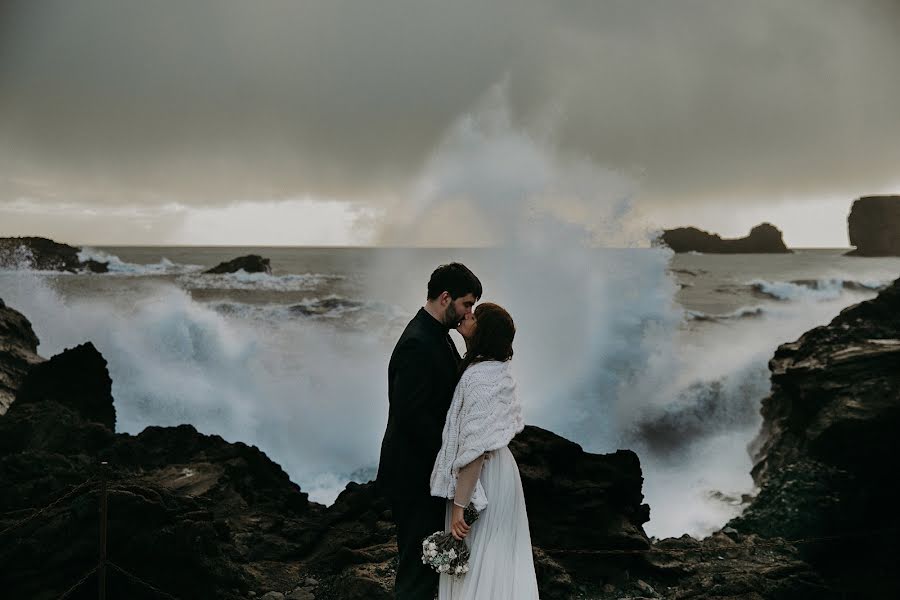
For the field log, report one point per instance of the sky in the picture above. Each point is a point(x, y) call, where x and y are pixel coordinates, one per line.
point(320, 122)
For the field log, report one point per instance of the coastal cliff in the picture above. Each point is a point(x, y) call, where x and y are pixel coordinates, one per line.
point(827, 455)
point(874, 226)
point(763, 239)
point(198, 516)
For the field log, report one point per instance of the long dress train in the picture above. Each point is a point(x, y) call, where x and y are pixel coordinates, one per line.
point(501, 565)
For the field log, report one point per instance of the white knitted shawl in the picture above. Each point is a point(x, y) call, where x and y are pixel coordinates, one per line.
point(484, 415)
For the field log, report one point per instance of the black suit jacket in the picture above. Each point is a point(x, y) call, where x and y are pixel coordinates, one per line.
point(422, 375)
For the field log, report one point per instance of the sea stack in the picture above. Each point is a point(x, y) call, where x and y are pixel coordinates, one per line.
point(874, 226)
point(252, 263)
point(765, 238)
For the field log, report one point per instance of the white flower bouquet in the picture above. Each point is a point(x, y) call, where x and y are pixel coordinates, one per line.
point(446, 554)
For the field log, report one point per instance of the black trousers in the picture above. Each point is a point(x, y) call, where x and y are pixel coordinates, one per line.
point(416, 518)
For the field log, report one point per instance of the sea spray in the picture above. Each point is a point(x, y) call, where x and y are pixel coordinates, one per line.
point(601, 350)
point(119, 267)
point(307, 385)
point(304, 392)
point(603, 354)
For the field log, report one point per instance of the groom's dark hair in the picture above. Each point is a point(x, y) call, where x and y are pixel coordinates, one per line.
point(455, 278)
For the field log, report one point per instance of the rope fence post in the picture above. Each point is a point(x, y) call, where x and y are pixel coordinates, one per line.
point(101, 566)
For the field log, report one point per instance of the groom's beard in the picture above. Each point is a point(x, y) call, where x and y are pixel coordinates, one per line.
point(451, 317)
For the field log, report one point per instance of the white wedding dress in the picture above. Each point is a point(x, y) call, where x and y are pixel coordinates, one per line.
point(501, 565)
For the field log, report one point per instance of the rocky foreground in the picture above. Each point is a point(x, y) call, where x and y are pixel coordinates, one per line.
point(763, 239)
point(198, 517)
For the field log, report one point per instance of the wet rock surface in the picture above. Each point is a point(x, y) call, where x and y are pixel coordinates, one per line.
point(198, 516)
point(828, 452)
point(18, 353)
point(43, 254)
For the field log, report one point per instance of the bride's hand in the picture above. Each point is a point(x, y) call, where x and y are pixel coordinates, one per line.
point(458, 527)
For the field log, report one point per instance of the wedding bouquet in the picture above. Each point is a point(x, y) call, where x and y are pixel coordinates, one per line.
point(446, 554)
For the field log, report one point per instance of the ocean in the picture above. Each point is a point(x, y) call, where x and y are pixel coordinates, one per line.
point(616, 348)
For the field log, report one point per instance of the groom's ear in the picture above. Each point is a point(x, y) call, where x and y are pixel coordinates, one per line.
point(445, 298)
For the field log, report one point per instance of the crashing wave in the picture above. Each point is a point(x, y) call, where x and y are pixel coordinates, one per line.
point(241, 280)
point(331, 307)
point(117, 266)
point(812, 289)
point(352, 313)
point(746, 312)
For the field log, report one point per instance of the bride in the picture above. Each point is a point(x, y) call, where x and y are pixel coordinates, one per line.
point(475, 465)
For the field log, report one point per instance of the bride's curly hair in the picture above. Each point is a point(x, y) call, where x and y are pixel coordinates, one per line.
point(493, 338)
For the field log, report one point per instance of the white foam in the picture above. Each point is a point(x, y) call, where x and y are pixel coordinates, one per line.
point(21, 258)
point(745, 312)
point(301, 391)
point(241, 280)
point(816, 289)
point(117, 266)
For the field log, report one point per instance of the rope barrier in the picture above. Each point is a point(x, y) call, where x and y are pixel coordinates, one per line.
point(137, 579)
point(41, 511)
point(78, 583)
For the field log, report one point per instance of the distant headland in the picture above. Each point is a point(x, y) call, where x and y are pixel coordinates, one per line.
point(763, 239)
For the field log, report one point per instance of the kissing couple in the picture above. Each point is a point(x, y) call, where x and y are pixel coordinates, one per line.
point(450, 420)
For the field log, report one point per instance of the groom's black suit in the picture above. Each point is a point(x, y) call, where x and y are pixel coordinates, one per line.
point(421, 377)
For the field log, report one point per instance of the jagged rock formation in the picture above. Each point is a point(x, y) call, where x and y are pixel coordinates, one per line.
point(194, 514)
point(874, 226)
point(18, 352)
point(252, 263)
point(43, 254)
point(190, 512)
point(79, 375)
point(200, 517)
point(763, 239)
point(828, 453)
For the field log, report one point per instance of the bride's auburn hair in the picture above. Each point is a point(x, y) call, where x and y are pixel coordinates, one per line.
point(493, 338)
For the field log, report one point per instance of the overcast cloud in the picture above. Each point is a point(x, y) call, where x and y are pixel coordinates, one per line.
point(704, 103)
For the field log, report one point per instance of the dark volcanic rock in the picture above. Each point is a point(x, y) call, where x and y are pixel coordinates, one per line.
point(576, 502)
point(252, 263)
point(39, 253)
point(874, 226)
point(18, 352)
point(78, 379)
point(763, 239)
point(191, 513)
point(579, 501)
point(43, 254)
point(200, 517)
point(828, 453)
point(95, 266)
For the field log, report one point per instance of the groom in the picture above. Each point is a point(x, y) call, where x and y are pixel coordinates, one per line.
point(422, 375)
